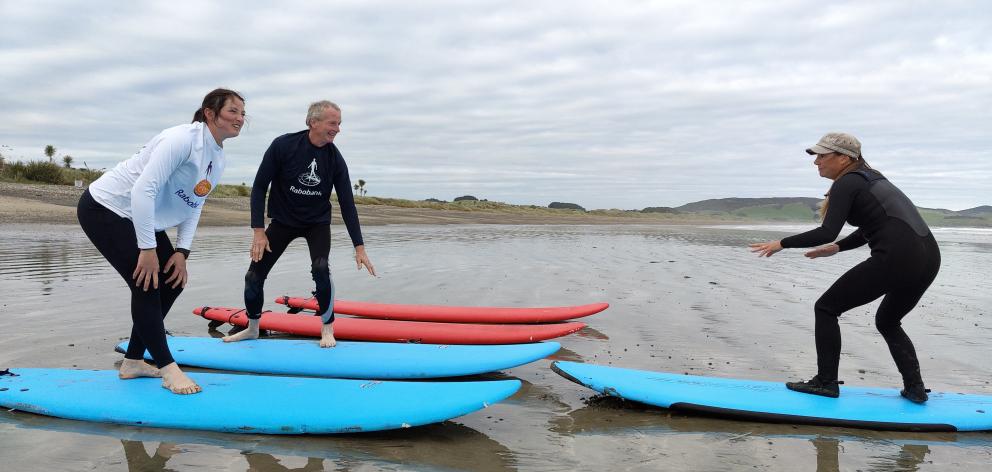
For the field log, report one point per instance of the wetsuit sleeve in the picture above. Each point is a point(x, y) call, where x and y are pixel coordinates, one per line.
point(842, 194)
point(186, 229)
point(167, 156)
point(263, 177)
point(346, 200)
point(853, 240)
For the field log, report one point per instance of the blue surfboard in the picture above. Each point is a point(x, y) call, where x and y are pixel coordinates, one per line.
point(753, 400)
point(352, 360)
point(246, 403)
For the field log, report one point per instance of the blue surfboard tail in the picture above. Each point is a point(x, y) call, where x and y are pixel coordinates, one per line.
point(771, 402)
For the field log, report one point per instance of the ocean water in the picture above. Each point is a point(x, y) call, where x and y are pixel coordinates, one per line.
point(683, 299)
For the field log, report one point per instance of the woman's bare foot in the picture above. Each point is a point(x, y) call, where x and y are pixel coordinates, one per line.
point(135, 368)
point(251, 332)
point(327, 335)
point(177, 381)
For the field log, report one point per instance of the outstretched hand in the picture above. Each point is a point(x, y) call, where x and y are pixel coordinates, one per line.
point(824, 251)
point(362, 259)
point(766, 249)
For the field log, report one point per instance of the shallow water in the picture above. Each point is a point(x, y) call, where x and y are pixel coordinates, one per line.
point(683, 299)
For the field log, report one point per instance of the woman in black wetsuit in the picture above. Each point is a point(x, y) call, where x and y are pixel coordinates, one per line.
point(904, 261)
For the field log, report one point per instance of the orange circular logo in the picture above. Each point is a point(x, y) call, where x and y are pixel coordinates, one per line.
point(202, 188)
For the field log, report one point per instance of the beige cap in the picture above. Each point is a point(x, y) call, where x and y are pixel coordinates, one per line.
point(837, 142)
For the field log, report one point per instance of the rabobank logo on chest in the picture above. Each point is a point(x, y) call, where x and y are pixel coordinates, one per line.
point(189, 201)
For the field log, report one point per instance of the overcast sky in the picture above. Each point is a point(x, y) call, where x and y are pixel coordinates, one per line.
point(606, 104)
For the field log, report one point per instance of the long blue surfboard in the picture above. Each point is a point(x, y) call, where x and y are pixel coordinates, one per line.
point(352, 360)
point(246, 403)
point(753, 400)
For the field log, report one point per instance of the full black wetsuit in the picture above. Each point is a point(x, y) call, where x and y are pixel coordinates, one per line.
point(904, 261)
point(301, 177)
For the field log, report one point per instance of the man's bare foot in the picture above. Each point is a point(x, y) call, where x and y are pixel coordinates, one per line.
point(134, 368)
point(327, 335)
point(177, 381)
point(251, 332)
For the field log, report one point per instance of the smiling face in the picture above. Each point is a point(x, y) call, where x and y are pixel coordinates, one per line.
point(230, 120)
point(831, 165)
point(324, 128)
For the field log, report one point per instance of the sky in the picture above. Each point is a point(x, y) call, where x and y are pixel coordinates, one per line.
point(612, 104)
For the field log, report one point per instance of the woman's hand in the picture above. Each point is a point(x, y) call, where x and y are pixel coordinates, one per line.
point(824, 251)
point(146, 273)
point(766, 249)
point(259, 244)
point(177, 264)
point(363, 259)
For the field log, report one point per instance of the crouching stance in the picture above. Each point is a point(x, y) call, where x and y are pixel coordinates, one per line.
point(125, 214)
point(298, 171)
point(904, 261)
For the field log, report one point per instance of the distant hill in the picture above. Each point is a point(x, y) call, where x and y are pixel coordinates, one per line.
point(566, 206)
point(984, 210)
point(803, 209)
point(765, 209)
point(727, 205)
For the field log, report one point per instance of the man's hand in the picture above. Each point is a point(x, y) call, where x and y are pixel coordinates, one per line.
point(259, 244)
point(362, 259)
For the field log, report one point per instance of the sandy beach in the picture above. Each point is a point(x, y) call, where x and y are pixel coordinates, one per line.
point(684, 299)
point(56, 204)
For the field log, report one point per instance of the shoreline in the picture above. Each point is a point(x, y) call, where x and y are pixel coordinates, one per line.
point(56, 204)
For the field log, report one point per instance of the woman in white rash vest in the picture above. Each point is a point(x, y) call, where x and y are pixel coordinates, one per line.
point(125, 214)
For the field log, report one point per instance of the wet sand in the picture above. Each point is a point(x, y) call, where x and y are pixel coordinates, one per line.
point(683, 299)
point(56, 204)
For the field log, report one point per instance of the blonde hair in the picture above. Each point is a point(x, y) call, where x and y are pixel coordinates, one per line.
point(854, 165)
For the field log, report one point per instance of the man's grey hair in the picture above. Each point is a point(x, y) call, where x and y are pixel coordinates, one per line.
point(318, 108)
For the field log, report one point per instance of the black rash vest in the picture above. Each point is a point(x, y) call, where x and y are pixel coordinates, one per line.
point(301, 177)
point(865, 199)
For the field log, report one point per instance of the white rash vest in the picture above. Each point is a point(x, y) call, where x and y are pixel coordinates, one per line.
point(164, 184)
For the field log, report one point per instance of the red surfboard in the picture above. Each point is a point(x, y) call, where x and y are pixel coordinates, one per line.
point(396, 331)
point(450, 314)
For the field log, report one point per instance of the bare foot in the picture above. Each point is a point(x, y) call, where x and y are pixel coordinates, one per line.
point(251, 332)
point(327, 335)
point(177, 381)
point(134, 368)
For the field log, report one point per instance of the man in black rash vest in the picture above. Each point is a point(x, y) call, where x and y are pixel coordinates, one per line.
point(904, 261)
point(302, 168)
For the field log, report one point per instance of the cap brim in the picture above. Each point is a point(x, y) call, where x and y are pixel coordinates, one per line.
point(817, 149)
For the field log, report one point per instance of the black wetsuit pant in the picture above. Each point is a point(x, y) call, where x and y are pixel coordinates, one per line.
point(899, 273)
point(114, 237)
point(318, 242)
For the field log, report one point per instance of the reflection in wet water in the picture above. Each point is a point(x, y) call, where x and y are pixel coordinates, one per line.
point(683, 299)
point(421, 448)
point(833, 448)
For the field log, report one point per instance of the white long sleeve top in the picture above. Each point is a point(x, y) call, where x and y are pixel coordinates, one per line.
point(164, 184)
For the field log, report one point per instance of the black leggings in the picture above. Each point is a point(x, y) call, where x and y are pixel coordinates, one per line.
point(318, 242)
point(114, 237)
point(901, 277)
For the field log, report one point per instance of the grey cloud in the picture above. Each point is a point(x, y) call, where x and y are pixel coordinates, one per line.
point(606, 104)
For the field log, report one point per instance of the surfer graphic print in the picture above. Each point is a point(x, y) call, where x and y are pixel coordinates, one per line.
point(203, 186)
point(310, 178)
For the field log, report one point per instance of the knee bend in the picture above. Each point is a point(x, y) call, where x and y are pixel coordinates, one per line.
point(887, 327)
point(823, 307)
point(253, 282)
point(319, 267)
point(252, 278)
